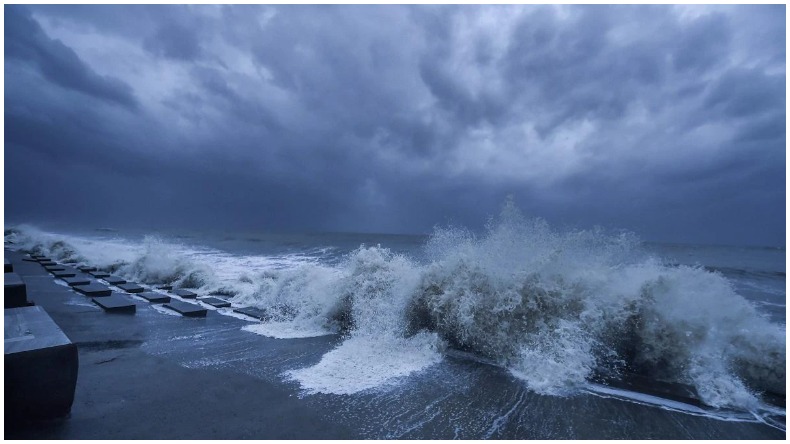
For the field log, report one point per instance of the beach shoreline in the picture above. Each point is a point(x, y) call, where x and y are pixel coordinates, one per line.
point(153, 376)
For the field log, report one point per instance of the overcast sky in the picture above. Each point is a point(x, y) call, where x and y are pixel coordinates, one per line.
point(668, 121)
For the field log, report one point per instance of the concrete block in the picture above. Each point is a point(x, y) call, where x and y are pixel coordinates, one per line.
point(41, 366)
point(30, 259)
point(67, 273)
point(115, 303)
point(7, 266)
point(56, 267)
point(164, 287)
point(253, 312)
point(15, 291)
point(47, 263)
point(93, 290)
point(114, 280)
point(187, 309)
point(216, 302)
point(99, 274)
point(42, 259)
point(186, 294)
point(131, 287)
point(154, 298)
point(86, 268)
point(72, 281)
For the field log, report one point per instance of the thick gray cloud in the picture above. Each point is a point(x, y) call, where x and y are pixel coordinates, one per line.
point(665, 120)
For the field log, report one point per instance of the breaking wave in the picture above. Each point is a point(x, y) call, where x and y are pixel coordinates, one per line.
point(558, 309)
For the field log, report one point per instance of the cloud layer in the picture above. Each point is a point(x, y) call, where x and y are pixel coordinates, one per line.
point(668, 121)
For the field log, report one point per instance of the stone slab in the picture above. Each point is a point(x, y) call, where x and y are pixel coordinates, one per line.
point(154, 298)
point(41, 366)
point(187, 309)
point(186, 294)
point(99, 274)
point(86, 268)
point(56, 267)
point(93, 290)
point(47, 263)
point(216, 302)
point(15, 291)
point(253, 312)
point(42, 259)
point(164, 287)
point(7, 266)
point(131, 287)
point(114, 280)
point(72, 281)
point(115, 303)
point(64, 273)
point(30, 259)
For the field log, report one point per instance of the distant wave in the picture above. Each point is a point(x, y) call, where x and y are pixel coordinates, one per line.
point(557, 309)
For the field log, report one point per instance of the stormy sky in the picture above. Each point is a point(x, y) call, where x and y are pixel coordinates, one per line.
point(668, 121)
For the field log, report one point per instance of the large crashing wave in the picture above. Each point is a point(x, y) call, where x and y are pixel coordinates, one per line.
point(557, 309)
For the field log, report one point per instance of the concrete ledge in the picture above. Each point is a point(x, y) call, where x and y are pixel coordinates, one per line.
point(115, 303)
point(187, 309)
point(114, 280)
point(253, 312)
point(47, 263)
point(7, 266)
point(72, 281)
point(64, 273)
point(186, 294)
point(56, 267)
point(93, 290)
point(215, 302)
point(99, 274)
point(15, 291)
point(41, 366)
point(86, 268)
point(154, 298)
point(131, 287)
point(41, 258)
point(165, 287)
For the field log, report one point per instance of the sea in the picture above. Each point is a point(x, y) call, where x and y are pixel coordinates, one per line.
point(517, 330)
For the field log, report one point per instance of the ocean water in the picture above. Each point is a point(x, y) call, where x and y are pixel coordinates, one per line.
point(563, 313)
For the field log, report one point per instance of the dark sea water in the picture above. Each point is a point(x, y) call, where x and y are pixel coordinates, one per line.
point(461, 334)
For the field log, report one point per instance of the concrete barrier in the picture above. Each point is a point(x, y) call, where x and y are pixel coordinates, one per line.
point(41, 366)
point(187, 309)
point(115, 303)
point(64, 273)
point(93, 290)
point(15, 291)
point(114, 280)
point(72, 281)
point(186, 294)
point(253, 312)
point(216, 302)
point(154, 298)
point(131, 287)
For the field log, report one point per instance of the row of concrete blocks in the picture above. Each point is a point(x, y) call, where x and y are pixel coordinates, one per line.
point(40, 362)
point(113, 303)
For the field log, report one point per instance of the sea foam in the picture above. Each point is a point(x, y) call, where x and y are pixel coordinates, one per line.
point(558, 309)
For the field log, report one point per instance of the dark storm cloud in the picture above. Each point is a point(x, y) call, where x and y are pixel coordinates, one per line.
point(25, 41)
point(665, 120)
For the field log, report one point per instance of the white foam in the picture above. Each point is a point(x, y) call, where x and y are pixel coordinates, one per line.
point(363, 363)
point(286, 330)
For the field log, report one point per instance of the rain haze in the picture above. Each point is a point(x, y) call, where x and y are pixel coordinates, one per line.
point(668, 121)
